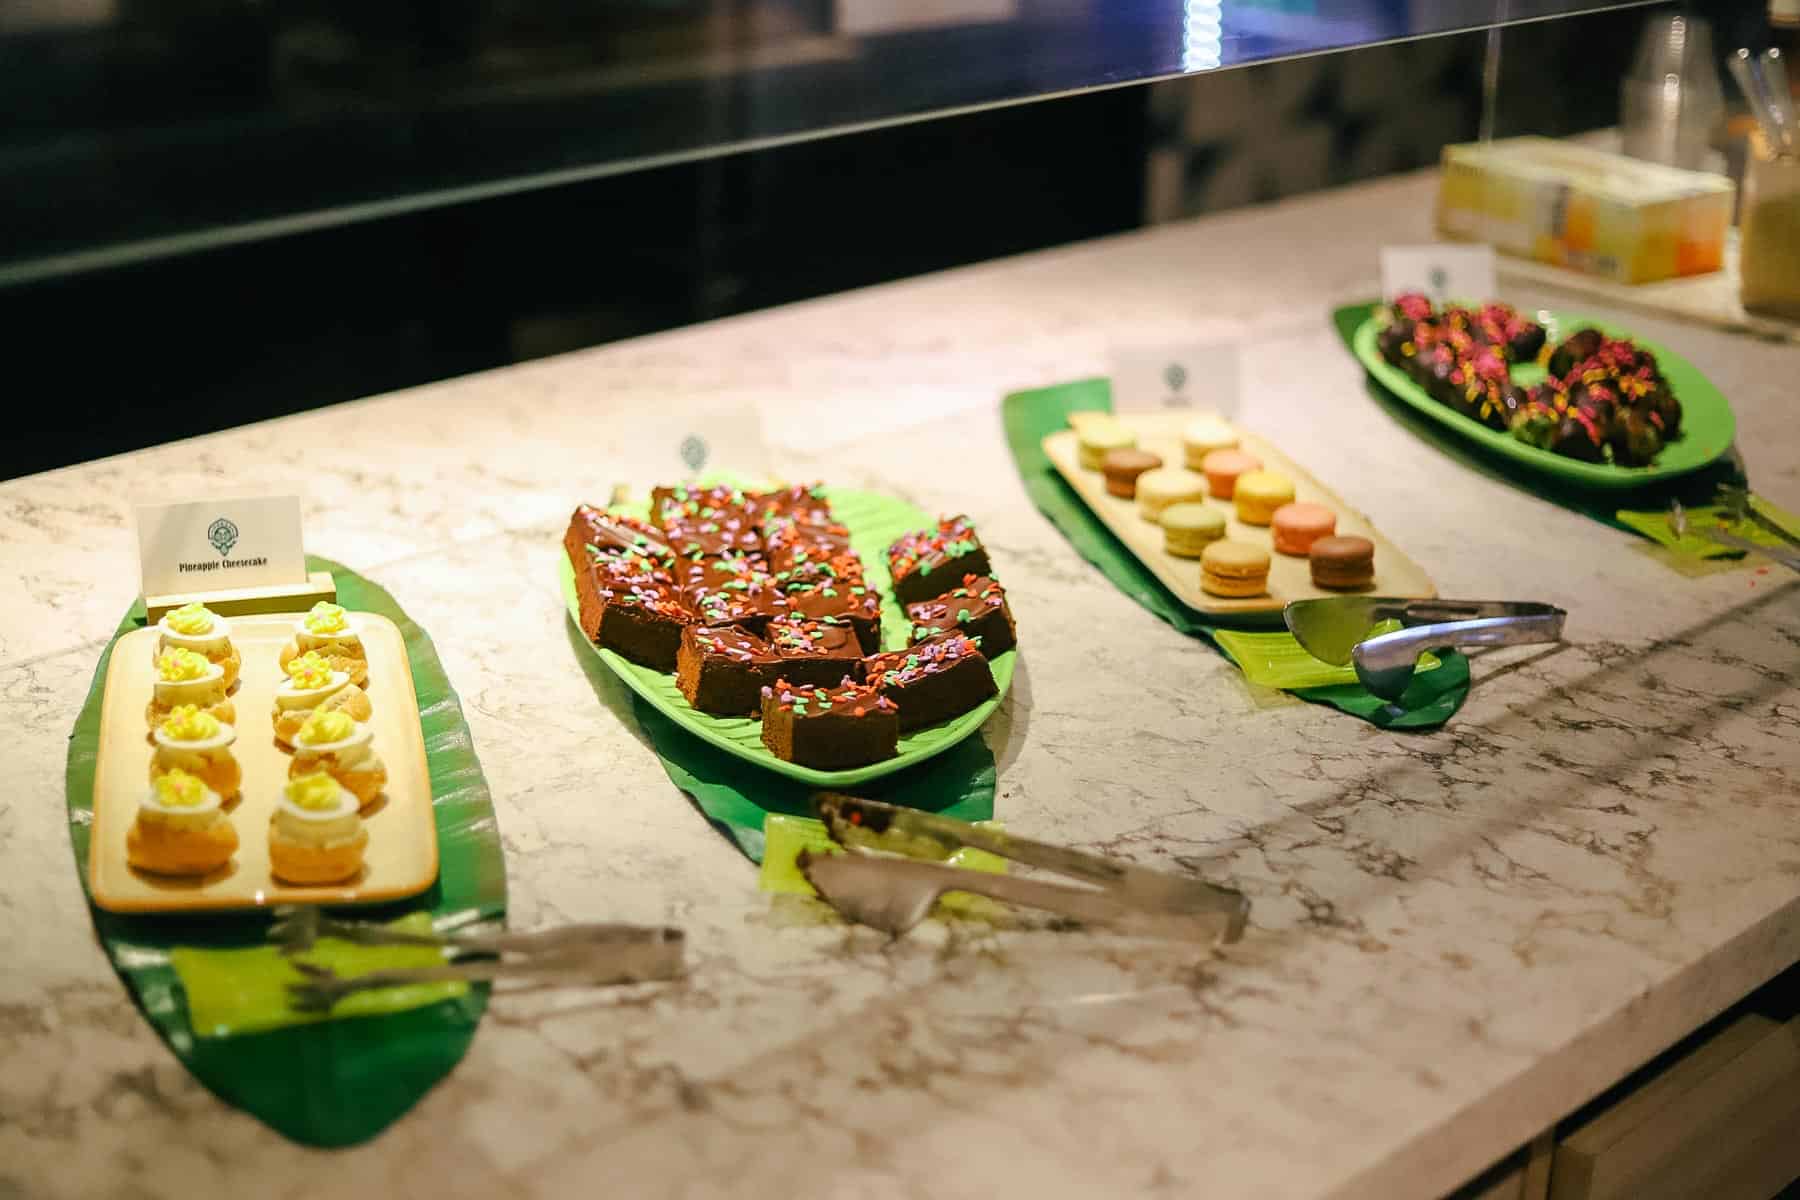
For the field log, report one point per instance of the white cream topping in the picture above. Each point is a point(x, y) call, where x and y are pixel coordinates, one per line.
point(207, 689)
point(217, 741)
point(288, 697)
point(216, 639)
point(192, 816)
point(351, 753)
point(348, 637)
point(315, 827)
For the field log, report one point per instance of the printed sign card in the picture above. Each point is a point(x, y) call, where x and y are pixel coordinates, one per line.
point(690, 444)
point(1176, 376)
point(214, 545)
point(1444, 272)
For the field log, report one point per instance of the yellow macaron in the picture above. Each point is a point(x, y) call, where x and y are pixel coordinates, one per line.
point(1234, 569)
point(1260, 493)
point(1094, 439)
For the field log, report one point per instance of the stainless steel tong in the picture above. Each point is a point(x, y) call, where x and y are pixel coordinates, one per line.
point(1736, 501)
point(582, 955)
point(893, 894)
point(1337, 629)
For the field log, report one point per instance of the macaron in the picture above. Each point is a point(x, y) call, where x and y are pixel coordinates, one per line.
point(1234, 569)
point(1223, 467)
point(1189, 527)
point(1097, 438)
point(1078, 421)
point(1342, 562)
point(1203, 435)
point(1297, 526)
point(1158, 489)
point(1260, 493)
point(1122, 468)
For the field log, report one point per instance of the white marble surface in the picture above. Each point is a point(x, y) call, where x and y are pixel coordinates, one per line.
point(1457, 936)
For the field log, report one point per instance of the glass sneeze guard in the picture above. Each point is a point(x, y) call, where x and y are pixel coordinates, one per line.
point(140, 128)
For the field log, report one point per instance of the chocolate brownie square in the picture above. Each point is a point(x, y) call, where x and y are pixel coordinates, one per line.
point(805, 501)
point(750, 598)
point(826, 596)
point(724, 670)
point(634, 611)
point(977, 608)
point(717, 570)
point(829, 727)
point(789, 542)
point(709, 537)
point(919, 562)
point(599, 570)
point(937, 679)
point(816, 653)
point(594, 531)
point(677, 503)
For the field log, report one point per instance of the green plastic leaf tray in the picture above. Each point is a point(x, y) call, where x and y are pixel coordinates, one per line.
point(1707, 423)
point(874, 521)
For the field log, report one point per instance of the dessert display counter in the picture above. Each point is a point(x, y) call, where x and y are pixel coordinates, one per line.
point(1457, 937)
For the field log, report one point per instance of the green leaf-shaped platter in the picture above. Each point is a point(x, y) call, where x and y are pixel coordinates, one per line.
point(874, 521)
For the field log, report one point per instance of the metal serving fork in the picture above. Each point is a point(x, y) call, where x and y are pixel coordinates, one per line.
point(584, 955)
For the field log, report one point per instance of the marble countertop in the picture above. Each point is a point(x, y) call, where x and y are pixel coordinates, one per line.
point(1458, 936)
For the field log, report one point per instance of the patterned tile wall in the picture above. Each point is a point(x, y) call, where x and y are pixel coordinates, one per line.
point(1260, 133)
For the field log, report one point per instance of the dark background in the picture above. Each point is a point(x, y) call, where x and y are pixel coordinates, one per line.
point(117, 359)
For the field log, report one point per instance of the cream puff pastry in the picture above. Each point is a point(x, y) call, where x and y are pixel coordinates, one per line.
point(334, 743)
point(312, 686)
point(186, 677)
point(196, 627)
point(331, 633)
point(193, 740)
point(315, 832)
point(181, 828)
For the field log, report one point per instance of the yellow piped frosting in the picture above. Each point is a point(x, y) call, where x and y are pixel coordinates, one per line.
point(326, 617)
point(190, 723)
point(323, 728)
point(192, 619)
point(318, 792)
point(178, 789)
point(181, 666)
point(309, 671)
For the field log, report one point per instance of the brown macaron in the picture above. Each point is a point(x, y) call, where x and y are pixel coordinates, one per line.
point(1342, 562)
point(1122, 468)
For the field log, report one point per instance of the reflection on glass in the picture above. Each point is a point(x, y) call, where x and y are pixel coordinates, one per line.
point(140, 127)
point(1202, 35)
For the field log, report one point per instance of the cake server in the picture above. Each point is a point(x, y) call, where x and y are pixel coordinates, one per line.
point(1330, 628)
point(893, 894)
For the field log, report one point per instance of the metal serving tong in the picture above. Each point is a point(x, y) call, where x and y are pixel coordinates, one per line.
point(1736, 501)
point(893, 894)
point(584, 955)
point(1337, 629)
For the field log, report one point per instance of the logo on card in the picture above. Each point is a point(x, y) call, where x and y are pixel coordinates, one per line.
point(223, 535)
point(693, 452)
point(1175, 375)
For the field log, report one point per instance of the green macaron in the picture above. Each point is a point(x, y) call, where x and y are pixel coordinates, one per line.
point(1189, 527)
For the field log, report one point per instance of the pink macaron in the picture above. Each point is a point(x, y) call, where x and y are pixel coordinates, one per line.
point(1298, 525)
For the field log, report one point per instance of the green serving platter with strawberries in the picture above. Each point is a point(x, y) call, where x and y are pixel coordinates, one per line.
point(1707, 423)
